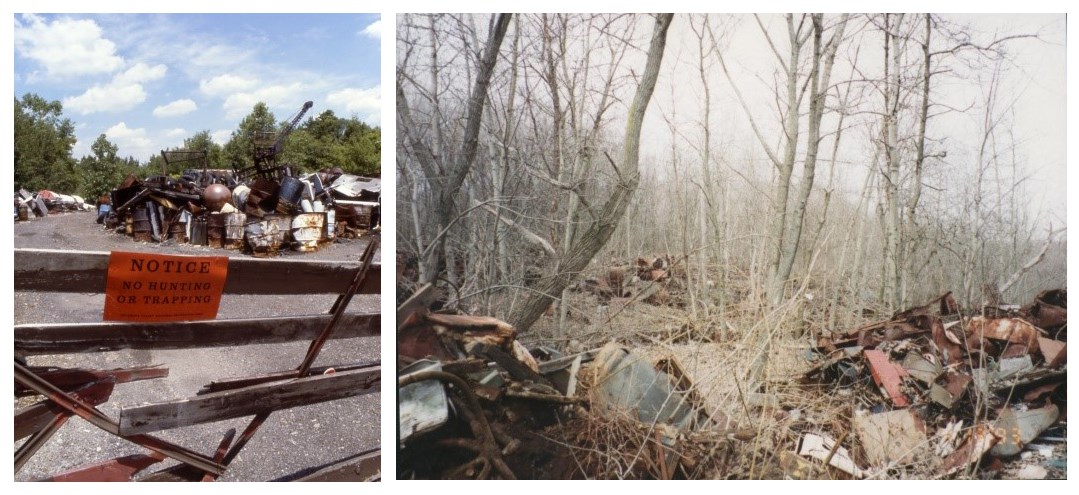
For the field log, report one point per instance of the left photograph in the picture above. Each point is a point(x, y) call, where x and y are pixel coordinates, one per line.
point(196, 247)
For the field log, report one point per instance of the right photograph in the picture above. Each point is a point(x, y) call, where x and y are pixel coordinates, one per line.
point(731, 246)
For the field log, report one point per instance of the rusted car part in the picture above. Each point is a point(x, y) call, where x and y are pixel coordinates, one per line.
point(85, 272)
point(937, 369)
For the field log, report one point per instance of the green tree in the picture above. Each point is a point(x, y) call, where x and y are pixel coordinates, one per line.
point(102, 171)
point(42, 146)
point(239, 151)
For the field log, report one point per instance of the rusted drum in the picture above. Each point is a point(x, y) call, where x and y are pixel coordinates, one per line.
point(234, 230)
point(239, 196)
point(262, 237)
point(198, 231)
point(283, 227)
point(178, 232)
point(24, 212)
point(141, 227)
point(307, 230)
point(215, 230)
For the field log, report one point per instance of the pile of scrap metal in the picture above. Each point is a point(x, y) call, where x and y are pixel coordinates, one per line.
point(945, 393)
point(43, 202)
point(475, 403)
point(263, 216)
point(652, 279)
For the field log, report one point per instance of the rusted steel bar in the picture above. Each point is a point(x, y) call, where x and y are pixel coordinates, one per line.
point(252, 427)
point(100, 420)
point(234, 383)
point(118, 469)
point(32, 418)
point(222, 449)
point(68, 379)
point(28, 449)
point(339, 306)
point(250, 400)
point(110, 336)
point(49, 270)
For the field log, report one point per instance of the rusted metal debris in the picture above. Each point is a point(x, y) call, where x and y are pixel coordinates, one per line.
point(938, 369)
point(261, 209)
point(45, 202)
point(474, 403)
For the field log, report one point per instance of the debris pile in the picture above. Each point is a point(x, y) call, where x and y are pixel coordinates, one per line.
point(43, 202)
point(658, 280)
point(474, 403)
point(946, 392)
point(262, 216)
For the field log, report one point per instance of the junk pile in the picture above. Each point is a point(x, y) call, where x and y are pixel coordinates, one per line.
point(941, 393)
point(43, 202)
point(474, 403)
point(262, 216)
point(657, 280)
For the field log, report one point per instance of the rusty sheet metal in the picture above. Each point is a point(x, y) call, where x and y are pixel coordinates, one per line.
point(234, 230)
point(118, 469)
point(887, 375)
point(626, 381)
point(1054, 352)
point(893, 437)
point(977, 442)
point(944, 305)
point(950, 389)
point(1018, 428)
point(920, 368)
point(422, 406)
point(1013, 330)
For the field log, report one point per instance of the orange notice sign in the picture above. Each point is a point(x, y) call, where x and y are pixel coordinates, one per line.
point(158, 287)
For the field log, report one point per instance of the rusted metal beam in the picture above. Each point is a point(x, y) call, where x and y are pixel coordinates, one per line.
point(31, 446)
point(48, 270)
point(339, 306)
point(100, 420)
point(69, 379)
point(118, 469)
point(247, 401)
point(33, 418)
point(110, 336)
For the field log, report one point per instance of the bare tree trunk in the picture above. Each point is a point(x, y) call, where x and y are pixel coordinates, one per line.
point(608, 217)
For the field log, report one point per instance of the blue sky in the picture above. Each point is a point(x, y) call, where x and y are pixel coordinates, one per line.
point(148, 81)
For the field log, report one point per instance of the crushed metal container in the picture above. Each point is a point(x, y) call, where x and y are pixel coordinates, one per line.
point(307, 231)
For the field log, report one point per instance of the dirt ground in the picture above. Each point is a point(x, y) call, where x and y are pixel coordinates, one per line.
point(289, 443)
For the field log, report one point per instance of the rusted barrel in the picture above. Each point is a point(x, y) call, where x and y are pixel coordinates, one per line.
point(262, 237)
point(141, 228)
point(289, 195)
point(234, 230)
point(307, 231)
point(198, 231)
point(178, 232)
point(24, 212)
point(215, 230)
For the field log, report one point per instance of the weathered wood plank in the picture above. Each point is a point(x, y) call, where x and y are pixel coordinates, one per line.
point(48, 270)
point(250, 400)
point(64, 338)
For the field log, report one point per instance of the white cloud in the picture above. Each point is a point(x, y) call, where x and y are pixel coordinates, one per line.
point(131, 142)
point(221, 136)
point(365, 103)
point(66, 47)
point(176, 133)
point(226, 84)
point(373, 30)
point(178, 107)
point(278, 97)
point(122, 93)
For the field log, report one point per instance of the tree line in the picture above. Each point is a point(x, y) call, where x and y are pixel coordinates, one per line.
point(519, 145)
point(45, 139)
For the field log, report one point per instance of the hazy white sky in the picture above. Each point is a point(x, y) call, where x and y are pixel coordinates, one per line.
point(1036, 81)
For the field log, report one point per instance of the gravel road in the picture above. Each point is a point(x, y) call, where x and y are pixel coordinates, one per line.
point(290, 442)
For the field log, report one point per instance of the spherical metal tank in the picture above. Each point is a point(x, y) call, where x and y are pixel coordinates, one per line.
point(215, 196)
